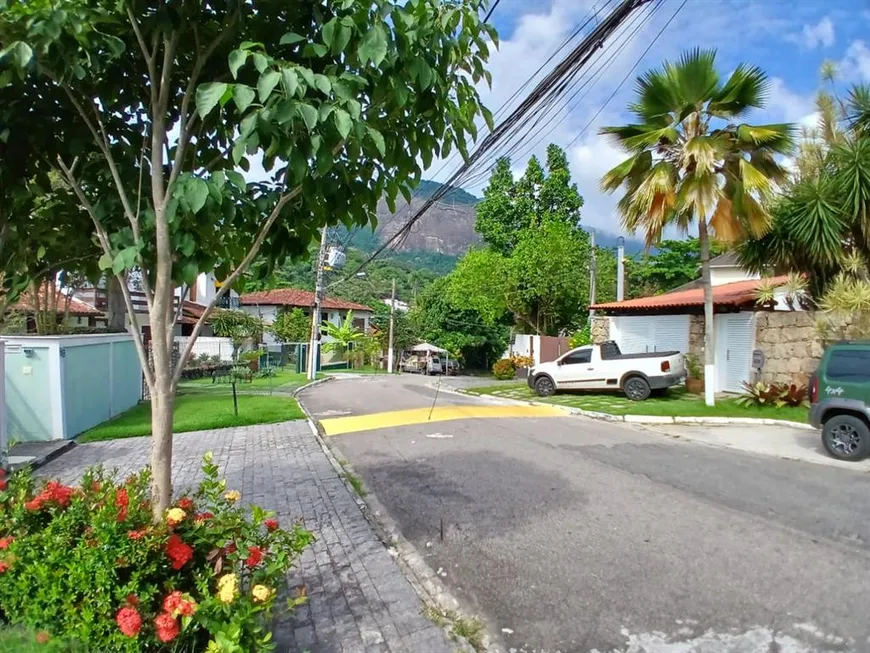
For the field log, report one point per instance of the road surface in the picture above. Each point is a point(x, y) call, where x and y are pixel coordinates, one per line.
point(572, 535)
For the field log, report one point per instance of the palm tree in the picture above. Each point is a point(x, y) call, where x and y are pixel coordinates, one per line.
point(692, 163)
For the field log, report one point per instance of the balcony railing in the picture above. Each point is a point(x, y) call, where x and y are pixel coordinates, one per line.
point(99, 299)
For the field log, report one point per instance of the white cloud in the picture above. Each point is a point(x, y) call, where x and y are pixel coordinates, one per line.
point(813, 36)
point(856, 63)
point(788, 106)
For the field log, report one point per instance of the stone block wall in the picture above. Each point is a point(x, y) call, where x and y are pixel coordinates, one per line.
point(791, 346)
point(600, 329)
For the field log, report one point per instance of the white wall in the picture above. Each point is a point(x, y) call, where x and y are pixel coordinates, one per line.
point(730, 274)
point(212, 346)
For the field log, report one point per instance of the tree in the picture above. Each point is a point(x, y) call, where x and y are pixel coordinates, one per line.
point(404, 335)
point(291, 326)
point(343, 335)
point(675, 263)
point(238, 326)
point(341, 100)
point(821, 225)
point(689, 163)
point(509, 208)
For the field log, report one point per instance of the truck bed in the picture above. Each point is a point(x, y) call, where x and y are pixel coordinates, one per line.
point(653, 354)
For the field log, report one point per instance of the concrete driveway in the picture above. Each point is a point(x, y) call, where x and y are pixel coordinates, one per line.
point(568, 534)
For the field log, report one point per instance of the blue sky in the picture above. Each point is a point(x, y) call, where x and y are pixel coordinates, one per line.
point(789, 39)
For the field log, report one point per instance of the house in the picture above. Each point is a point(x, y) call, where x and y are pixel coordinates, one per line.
point(674, 321)
point(268, 304)
point(74, 313)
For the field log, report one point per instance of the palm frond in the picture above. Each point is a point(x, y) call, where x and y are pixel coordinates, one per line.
point(703, 152)
point(651, 137)
point(754, 181)
point(723, 222)
point(829, 118)
point(633, 166)
point(828, 71)
point(779, 138)
point(852, 178)
point(695, 76)
point(698, 194)
point(858, 108)
point(813, 219)
point(747, 88)
point(657, 96)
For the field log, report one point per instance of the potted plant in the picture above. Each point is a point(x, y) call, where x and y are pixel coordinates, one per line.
point(695, 377)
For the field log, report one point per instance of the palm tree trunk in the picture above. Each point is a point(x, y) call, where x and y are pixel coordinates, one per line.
point(709, 335)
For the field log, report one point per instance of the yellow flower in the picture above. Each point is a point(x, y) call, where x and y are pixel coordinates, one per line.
point(228, 586)
point(262, 593)
point(175, 516)
point(232, 496)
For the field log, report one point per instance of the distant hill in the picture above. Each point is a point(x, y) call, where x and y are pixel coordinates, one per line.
point(428, 188)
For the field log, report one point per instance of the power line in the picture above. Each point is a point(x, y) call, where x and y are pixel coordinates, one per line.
point(491, 9)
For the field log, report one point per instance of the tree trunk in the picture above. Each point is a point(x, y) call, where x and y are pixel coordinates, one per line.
point(709, 335)
point(162, 405)
point(116, 312)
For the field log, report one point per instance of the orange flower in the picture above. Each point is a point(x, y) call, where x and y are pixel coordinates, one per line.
point(5, 542)
point(137, 535)
point(185, 503)
point(4, 566)
point(122, 503)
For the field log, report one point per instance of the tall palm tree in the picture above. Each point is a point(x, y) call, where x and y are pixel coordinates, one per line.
point(692, 163)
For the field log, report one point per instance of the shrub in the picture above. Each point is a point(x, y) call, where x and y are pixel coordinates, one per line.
point(581, 337)
point(87, 565)
point(504, 369)
point(694, 367)
point(522, 361)
point(772, 394)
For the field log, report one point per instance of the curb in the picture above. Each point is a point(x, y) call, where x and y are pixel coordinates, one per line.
point(649, 419)
point(38, 461)
point(311, 384)
point(424, 581)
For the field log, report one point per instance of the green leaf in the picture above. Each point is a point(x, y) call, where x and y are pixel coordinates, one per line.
point(321, 83)
point(124, 260)
point(290, 38)
point(298, 165)
point(318, 49)
point(243, 95)
point(290, 80)
point(354, 108)
point(378, 139)
point(261, 62)
point(342, 37)
point(20, 51)
point(329, 31)
point(208, 96)
point(237, 59)
point(343, 122)
point(267, 83)
point(196, 193)
point(105, 262)
point(309, 115)
point(40, 252)
point(374, 46)
point(236, 179)
point(307, 75)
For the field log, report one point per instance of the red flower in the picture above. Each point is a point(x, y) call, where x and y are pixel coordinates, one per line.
point(137, 535)
point(129, 621)
point(271, 524)
point(186, 608)
point(179, 552)
point(122, 503)
point(172, 601)
point(202, 516)
point(33, 505)
point(42, 637)
point(132, 600)
point(185, 503)
point(167, 627)
point(255, 556)
point(54, 491)
point(3, 566)
point(5, 542)
point(3, 484)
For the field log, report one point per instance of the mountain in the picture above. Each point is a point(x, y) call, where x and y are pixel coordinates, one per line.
point(448, 227)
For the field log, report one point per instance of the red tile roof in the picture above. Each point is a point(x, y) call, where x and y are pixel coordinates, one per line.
point(300, 298)
point(76, 307)
point(728, 294)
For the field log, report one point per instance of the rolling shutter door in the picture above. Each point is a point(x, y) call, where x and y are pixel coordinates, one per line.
point(671, 333)
point(649, 333)
point(632, 334)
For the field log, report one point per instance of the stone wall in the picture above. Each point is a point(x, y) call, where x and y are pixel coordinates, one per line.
point(600, 330)
point(696, 337)
point(791, 346)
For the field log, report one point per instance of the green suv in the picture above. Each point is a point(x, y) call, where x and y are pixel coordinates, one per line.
point(840, 400)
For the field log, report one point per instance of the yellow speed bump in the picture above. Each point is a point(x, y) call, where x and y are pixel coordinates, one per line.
point(353, 424)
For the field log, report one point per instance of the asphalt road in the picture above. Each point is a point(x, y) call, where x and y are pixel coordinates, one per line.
point(569, 535)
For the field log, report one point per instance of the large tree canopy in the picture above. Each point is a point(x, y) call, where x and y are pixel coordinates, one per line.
point(338, 101)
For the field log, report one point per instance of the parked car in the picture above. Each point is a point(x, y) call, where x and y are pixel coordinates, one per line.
point(422, 364)
point(604, 367)
point(840, 400)
point(452, 367)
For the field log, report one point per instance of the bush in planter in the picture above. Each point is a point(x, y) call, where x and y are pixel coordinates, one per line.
point(87, 564)
point(504, 369)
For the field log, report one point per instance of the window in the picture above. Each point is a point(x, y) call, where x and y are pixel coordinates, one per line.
point(849, 365)
point(578, 357)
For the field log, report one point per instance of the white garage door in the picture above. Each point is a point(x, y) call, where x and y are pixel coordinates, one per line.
point(649, 333)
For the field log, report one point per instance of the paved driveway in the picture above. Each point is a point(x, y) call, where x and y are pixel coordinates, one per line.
point(571, 535)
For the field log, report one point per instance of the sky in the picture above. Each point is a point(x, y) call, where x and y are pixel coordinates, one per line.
point(788, 39)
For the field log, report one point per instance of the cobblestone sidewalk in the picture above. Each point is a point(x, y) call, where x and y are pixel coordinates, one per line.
point(359, 601)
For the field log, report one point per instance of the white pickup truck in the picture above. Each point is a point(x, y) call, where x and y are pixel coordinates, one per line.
point(604, 367)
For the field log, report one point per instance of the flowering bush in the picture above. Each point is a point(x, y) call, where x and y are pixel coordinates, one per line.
point(504, 369)
point(87, 564)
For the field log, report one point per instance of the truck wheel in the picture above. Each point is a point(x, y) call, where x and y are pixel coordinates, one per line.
point(846, 437)
point(544, 386)
point(637, 388)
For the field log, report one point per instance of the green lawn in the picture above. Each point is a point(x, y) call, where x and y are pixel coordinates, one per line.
point(285, 380)
point(22, 640)
point(199, 412)
point(676, 403)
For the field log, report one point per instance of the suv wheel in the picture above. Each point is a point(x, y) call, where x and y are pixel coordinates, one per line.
point(846, 437)
point(637, 388)
point(544, 386)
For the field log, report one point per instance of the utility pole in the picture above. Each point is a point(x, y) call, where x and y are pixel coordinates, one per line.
point(620, 269)
point(592, 275)
point(391, 357)
point(314, 343)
